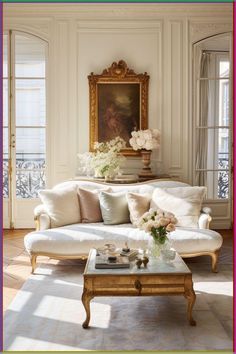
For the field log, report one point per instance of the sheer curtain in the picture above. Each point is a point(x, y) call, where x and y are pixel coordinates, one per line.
point(204, 107)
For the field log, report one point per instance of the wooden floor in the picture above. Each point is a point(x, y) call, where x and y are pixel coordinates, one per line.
point(16, 264)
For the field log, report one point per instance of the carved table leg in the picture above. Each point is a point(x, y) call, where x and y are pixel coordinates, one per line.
point(214, 257)
point(86, 297)
point(191, 297)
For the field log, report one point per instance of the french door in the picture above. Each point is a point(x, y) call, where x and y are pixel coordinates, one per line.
point(24, 126)
point(213, 125)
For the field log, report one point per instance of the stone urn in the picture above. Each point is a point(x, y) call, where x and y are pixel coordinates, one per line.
point(146, 160)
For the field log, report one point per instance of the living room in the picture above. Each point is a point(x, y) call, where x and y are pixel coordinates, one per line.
point(159, 77)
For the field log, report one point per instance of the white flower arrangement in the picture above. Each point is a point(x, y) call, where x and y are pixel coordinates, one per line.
point(157, 223)
point(148, 139)
point(106, 160)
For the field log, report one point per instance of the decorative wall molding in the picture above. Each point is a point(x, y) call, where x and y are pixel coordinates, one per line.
point(176, 69)
point(40, 28)
point(126, 11)
point(131, 30)
point(62, 120)
point(200, 30)
point(120, 26)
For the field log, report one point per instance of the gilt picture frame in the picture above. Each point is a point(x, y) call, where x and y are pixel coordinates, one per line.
point(118, 100)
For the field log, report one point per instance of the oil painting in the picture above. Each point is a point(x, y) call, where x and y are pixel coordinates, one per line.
point(118, 110)
point(118, 104)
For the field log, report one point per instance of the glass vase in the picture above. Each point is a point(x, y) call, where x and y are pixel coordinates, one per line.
point(155, 247)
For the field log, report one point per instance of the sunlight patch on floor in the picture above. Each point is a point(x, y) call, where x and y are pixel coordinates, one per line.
point(64, 282)
point(218, 288)
point(20, 302)
point(29, 343)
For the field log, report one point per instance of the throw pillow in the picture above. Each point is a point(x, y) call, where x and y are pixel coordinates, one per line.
point(114, 208)
point(62, 205)
point(138, 204)
point(89, 205)
point(184, 202)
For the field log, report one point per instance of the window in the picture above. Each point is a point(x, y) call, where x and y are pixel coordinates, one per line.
point(212, 145)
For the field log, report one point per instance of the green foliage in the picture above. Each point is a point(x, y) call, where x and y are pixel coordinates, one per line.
point(159, 234)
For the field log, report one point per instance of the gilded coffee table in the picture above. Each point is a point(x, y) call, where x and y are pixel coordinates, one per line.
point(158, 278)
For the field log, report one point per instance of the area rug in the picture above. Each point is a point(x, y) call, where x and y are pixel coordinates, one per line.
point(47, 314)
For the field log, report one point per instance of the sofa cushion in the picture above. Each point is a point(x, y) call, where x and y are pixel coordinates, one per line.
point(62, 205)
point(138, 204)
point(89, 205)
point(78, 239)
point(184, 202)
point(114, 208)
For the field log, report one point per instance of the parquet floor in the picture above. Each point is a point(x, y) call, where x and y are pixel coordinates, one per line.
point(16, 264)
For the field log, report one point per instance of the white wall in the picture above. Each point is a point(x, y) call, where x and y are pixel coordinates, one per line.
point(156, 38)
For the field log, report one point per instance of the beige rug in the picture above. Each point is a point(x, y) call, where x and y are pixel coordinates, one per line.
point(47, 314)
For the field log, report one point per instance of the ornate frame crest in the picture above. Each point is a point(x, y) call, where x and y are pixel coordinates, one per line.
point(117, 75)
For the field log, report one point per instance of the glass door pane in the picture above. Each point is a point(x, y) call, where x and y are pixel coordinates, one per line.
point(30, 54)
point(5, 119)
point(30, 116)
point(5, 55)
point(30, 102)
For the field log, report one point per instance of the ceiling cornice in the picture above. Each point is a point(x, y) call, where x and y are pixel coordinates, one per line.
point(118, 11)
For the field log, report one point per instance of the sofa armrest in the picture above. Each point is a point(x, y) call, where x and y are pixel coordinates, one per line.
point(205, 218)
point(42, 219)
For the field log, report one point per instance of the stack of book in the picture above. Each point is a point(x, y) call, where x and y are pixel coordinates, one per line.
point(131, 254)
point(118, 262)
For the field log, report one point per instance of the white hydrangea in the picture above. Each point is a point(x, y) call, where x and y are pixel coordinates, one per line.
point(148, 139)
point(106, 160)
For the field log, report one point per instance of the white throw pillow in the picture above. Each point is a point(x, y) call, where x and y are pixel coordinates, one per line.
point(138, 204)
point(184, 202)
point(62, 205)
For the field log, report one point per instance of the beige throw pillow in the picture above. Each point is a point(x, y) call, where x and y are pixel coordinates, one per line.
point(89, 205)
point(184, 202)
point(114, 208)
point(138, 204)
point(62, 205)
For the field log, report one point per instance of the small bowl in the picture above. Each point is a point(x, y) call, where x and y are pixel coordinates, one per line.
point(168, 255)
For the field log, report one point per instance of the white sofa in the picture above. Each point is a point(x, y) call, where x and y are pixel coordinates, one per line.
point(75, 241)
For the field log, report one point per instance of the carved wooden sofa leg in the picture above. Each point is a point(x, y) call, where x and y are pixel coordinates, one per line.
point(33, 258)
point(214, 261)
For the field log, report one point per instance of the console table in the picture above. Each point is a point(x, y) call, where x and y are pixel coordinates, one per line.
point(125, 179)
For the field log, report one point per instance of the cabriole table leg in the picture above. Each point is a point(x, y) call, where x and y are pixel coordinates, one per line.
point(86, 298)
point(191, 297)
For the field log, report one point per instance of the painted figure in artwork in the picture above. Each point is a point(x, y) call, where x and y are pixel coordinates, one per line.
point(118, 112)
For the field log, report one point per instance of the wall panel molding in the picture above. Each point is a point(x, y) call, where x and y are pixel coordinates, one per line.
point(126, 33)
point(176, 69)
point(61, 121)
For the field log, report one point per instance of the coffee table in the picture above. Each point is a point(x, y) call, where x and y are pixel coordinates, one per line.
point(158, 278)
